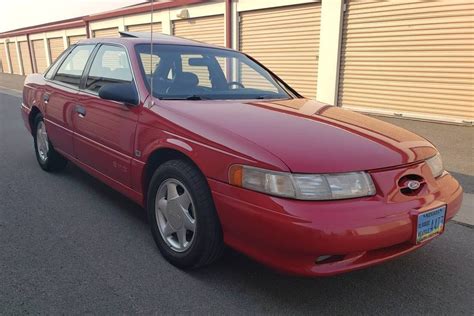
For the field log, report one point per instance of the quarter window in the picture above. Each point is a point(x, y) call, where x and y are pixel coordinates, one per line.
point(110, 65)
point(71, 69)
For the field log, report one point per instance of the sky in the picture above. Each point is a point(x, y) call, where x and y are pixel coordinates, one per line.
point(21, 13)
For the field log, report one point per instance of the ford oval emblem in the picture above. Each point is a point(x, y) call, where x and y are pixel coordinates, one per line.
point(413, 184)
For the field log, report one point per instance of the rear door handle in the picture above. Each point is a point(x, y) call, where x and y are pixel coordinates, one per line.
point(45, 98)
point(80, 110)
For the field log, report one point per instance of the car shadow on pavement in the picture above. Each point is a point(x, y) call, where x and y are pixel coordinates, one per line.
point(106, 193)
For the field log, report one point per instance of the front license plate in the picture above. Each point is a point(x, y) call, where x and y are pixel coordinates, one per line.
point(430, 223)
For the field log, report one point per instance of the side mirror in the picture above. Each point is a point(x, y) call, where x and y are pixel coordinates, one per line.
point(120, 92)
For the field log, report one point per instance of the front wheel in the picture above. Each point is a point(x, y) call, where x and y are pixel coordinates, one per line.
point(183, 219)
point(47, 157)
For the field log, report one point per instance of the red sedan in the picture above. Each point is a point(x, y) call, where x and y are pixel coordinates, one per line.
point(220, 151)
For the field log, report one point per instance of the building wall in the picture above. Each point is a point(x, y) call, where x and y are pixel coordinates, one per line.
point(408, 58)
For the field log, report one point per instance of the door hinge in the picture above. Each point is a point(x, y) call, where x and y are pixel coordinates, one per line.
point(138, 153)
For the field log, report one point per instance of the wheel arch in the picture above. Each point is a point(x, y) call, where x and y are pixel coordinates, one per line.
point(31, 118)
point(157, 158)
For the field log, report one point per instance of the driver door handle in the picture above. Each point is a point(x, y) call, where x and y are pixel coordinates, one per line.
point(45, 98)
point(80, 110)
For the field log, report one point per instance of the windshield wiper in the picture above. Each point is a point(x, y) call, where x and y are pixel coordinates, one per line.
point(190, 97)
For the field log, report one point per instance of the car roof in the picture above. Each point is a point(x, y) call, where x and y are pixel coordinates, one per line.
point(132, 38)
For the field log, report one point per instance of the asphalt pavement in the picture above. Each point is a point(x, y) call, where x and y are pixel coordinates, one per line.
point(71, 245)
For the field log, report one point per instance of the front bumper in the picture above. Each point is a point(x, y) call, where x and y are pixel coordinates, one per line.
point(290, 235)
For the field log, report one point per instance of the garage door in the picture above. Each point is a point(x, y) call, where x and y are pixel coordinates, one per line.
point(144, 28)
point(74, 39)
point(25, 57)
point(286, 40)
point(409, 57)
point(40, 55)
point(3, 59)
point(56, 47)
point(111, 32)
point(14, 58)
point(208, 29)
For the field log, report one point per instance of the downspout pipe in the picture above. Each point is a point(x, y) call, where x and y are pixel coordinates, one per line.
point(34, 69)
point(88, 35)
point(228, 23)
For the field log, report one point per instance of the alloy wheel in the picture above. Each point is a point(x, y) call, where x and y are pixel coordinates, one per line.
point(42, 141)
point(175, 215)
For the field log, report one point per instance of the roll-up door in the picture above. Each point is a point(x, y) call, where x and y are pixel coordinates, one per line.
point(3, 59)
point(110, 32)
point(74, 39)
point(286, 40)
point(409, 57)
point(25, 57)
point(56, 47)
point(14, 58)
point(209, 29)
point(144, 28)
point(40, 55)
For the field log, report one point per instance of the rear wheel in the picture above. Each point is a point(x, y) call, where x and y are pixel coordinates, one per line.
point(183, 219)
point(47, 157)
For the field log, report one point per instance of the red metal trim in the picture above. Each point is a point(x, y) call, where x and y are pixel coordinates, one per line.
point(146, 7)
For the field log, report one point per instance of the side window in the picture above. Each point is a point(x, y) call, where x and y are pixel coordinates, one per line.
point(71, 69)
point(49, 74)
point(110, 65)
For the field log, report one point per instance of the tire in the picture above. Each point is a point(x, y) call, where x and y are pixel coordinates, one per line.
point(203, 245)
point(47, 157)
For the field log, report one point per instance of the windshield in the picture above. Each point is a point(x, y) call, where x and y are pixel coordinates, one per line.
point(178, 72)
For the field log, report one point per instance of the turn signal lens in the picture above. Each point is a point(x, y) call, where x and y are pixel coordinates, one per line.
point(436, 165)
point(302, 186)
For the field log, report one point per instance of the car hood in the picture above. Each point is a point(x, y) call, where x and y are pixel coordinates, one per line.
point(309, 136)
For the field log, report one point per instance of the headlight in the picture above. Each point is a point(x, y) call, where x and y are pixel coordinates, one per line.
point(303, 186)
point(436, 165)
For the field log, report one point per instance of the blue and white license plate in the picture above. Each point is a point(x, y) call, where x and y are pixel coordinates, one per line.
point(430, 224)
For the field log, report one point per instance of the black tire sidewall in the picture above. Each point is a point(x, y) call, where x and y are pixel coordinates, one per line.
point(204, 210)
point(43, 164)
point(54, 161)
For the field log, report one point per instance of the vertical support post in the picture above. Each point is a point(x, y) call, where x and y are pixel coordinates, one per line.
point(65, 41)
point(19, 58)
point(46, 50)
point(228, 23)
point(7, 53)
point(34, 69)
point(332, 14)
point(121, 24)
point(166, 23)
point(88, 31)
point(235, 26)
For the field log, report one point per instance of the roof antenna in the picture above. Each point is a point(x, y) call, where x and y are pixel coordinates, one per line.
point(151, 54)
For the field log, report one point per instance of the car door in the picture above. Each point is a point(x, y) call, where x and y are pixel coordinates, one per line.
point(104, 130)
point(60, 95)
